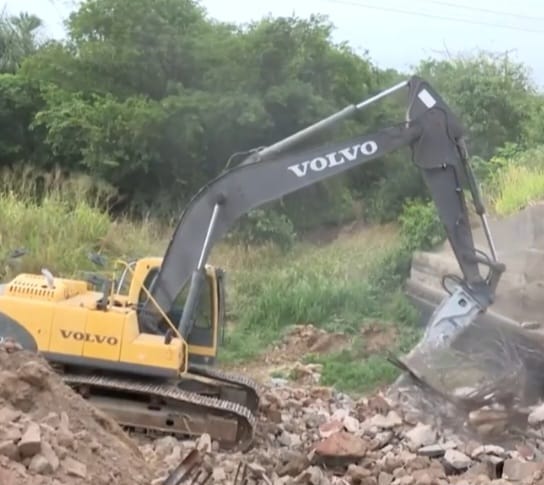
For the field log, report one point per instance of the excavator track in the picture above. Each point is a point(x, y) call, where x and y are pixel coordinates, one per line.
point(250, 387)
point(164, 408)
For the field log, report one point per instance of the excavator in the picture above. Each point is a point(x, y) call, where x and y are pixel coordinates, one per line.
point(141, 346)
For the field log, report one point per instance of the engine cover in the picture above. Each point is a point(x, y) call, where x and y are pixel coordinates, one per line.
point(35, 287)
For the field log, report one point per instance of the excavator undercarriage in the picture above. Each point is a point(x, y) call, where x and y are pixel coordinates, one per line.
point(203, 401)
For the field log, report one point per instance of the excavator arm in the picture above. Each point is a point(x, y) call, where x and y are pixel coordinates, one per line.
point(435, 138)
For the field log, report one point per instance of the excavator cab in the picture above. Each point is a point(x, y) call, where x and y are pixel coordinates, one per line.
point(208, 317)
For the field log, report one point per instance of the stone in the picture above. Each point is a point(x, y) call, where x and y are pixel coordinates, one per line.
point(289, 439)
point(11, 433)
point(378, 404)
point(66, 438)
point(52, 419)
point(486, 467)
point(457, 460)
point(385, 478)
point(174, 458)
point(391, 420)
point(219, 475)
point(204, 443)
point(423, 477)
point(382, 439)
point(165, 445)
point(432, 451)
point(294, 467)
point(421, 435)
point(537, 415)
point(64, 421)
point(40, 464)
point(35, 373)
point(50, 455)
point(517, 470)
point(31, 441)
point(159, 480)
point(330, 428)
point(488, 450)
point(320, 392)
point(525, 452)
point(74, 467)
point(311, 476)
point(342, 445)
point(9, 448)
point(357, 473)
point(274, 415)
point(351, 424)
point(9, 415)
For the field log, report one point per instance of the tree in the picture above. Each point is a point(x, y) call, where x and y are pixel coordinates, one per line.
point(156, 99)
point(152, 96)
point(18, 40)
point(491, 93)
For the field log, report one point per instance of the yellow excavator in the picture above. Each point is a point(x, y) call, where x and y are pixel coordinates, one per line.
point(140, 346)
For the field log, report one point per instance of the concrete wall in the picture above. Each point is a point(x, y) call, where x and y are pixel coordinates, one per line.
point(519, 240)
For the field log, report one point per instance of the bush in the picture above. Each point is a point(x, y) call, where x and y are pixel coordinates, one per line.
point(385, 201)
point(261, 226)
point(421, 227)
point(323, 204)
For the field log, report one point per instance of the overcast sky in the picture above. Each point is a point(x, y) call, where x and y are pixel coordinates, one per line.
point(397, 33)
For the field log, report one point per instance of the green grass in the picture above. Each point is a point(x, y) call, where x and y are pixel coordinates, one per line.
point(518, 182)
point(58, 222)
point(340, 287)
point(518, 187)
point(355, 370)
point(326, 286)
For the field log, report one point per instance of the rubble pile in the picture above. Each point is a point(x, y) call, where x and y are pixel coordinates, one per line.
point(312, 435)
point(306, 434)
point(50, 435)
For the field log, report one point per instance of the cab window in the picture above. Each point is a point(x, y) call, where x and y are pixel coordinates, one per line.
point(203, 315)
point(148, 281)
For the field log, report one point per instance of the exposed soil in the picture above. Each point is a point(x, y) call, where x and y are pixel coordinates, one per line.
point(299, 342)
point(50, 435)
point(378, 337)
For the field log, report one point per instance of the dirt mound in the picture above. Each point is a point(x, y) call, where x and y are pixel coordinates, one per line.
point(50, 435)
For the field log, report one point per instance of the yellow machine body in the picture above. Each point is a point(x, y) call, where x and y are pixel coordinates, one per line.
point(69, 326)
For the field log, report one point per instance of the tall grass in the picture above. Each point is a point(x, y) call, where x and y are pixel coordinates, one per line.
point(516, 180)
point(338, 287)
point(60, 220)
point(517, 187)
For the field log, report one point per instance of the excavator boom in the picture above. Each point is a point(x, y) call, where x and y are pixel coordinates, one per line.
point(435, 138)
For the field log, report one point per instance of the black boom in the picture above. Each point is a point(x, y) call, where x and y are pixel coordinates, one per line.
point(435, 138)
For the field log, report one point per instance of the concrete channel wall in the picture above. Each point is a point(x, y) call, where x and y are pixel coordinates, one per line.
point(519, 240)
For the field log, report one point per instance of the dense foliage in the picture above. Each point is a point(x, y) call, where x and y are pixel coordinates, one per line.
point(153, 97)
